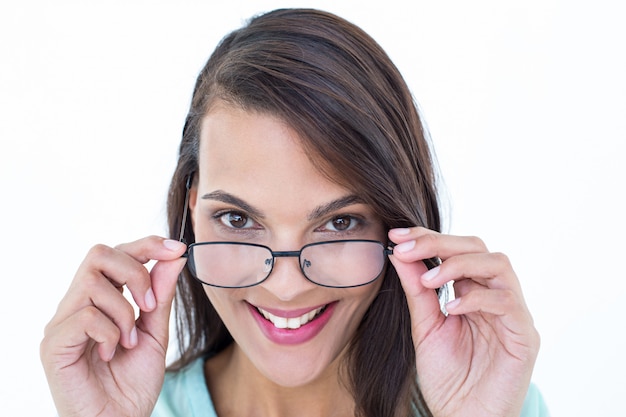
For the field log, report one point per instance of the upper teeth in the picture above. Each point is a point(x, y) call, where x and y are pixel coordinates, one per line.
point(290, 323)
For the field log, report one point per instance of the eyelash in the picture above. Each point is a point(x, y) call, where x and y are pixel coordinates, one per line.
point(356, 223)
point(218, 218)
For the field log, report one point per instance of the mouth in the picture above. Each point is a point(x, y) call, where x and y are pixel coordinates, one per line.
point(292, 323)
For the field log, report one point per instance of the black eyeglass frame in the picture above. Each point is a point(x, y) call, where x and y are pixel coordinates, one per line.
point(430, 263)
point(387, 250)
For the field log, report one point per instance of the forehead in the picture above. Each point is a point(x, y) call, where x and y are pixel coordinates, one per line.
point(233, 139)
point(256, 155)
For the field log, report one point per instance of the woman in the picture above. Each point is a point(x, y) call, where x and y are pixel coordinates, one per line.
point(303, 170)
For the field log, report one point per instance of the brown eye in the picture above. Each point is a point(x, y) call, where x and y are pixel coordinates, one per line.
point(236, 220)
point(342, 223)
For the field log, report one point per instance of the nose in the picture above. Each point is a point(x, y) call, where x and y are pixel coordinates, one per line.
point(286, 281)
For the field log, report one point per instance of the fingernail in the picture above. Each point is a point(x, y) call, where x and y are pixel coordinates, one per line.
point(133, 337)
point(405, 246)
point(173, 245)
point(400, 231)
point(150, 299)
point(453, 304)
point(112, 355)
point(431, 274)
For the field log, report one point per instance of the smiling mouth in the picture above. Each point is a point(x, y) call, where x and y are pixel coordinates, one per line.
point(292, 323)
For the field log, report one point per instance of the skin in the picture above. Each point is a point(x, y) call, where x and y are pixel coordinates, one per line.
point(97, 358)
point(238, 157)
point(477, 361)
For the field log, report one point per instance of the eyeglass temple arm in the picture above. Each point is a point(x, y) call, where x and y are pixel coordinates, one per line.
point(183, 223)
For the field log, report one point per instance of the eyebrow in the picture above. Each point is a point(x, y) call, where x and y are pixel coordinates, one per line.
point(228, 198)
point(338, 204)
point(316, 213)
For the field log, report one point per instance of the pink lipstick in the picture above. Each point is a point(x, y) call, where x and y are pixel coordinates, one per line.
point(292, 327)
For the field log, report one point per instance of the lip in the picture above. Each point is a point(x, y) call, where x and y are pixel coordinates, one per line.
point(292, 336)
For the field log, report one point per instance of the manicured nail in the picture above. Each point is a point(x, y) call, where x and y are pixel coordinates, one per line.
point(112, 355)
point(453, 304)
point(430, 275)
point(400, 231)
point(173, 245)
point(150, 299)
point(133, 337)
point(405, 246)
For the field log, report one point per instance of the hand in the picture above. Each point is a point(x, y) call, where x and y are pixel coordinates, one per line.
point(98, 359)
point(478, 360)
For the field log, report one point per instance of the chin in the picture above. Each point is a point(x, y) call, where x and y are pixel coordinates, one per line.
point(297, 369)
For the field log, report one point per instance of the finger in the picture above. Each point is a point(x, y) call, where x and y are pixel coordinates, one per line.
point(117, 267)
point(492, 270)
point(123, 265)
point(423, 302)
point(66, 342)
point(96, 290)
point(507, 305)
point(104, 269)
point(419, 243)
point(463, 286)
point(93, 289)
point(492, 301)
point(164, 276)
point(153, 248)
point(142, 251)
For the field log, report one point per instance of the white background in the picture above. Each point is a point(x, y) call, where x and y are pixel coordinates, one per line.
point(526, 103)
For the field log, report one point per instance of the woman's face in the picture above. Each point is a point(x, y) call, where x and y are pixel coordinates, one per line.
point(257, 185)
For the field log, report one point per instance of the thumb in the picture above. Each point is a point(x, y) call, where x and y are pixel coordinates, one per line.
point(164, 276)
point(423, 302)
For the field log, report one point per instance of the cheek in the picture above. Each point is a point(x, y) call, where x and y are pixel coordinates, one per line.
point(222, 300)
point(373, 289)
point(362, 298)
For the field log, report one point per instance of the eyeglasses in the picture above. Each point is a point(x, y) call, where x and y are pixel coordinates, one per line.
point(336, 264)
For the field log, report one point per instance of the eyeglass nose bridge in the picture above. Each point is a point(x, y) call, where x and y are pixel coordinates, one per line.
point(287, 254)
point(270, 262)
point(281, 254)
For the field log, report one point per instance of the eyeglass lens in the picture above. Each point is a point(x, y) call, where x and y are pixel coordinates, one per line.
point(333, 264)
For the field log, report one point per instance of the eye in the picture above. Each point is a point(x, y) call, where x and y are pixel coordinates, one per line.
point(236, 220)
point(341, 224)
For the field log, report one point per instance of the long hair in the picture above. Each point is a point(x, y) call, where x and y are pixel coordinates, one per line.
point(336, 87)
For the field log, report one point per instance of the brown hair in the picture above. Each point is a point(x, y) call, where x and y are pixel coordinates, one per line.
point(337, 88)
